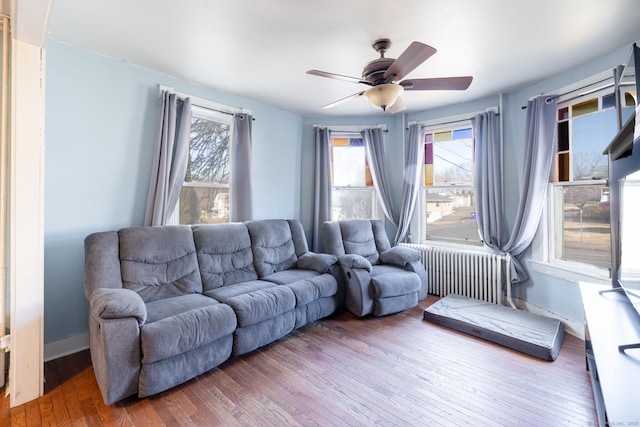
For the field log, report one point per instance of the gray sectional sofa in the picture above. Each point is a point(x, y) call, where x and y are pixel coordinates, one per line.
point(169, 303)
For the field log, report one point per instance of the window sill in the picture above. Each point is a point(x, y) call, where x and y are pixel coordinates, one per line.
point(572, 272)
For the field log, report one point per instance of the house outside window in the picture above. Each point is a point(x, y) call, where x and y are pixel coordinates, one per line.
point(577, 228)
point(446, 208)
point(353, 194)
point(204, 198)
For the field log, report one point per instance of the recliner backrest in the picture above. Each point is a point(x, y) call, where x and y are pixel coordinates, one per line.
point(159, 262)
point(276, 244)
point(224, 254)
point(364, 237)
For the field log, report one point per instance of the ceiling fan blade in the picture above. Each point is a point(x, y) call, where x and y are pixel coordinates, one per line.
point(338, 77)
point(340, 101)
point(397, 106)
point(413, 56)
point(438, 83)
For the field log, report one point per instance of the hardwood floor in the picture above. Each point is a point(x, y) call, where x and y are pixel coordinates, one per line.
point(394, 371)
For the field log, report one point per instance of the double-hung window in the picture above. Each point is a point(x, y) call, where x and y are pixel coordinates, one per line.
point(446, 208)
point(353, 194)
point(578, 225)
point(204, 197)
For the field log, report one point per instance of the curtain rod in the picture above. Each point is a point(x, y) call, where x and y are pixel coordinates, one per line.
point(205, 103)
point(454, 119)
point(347, 128)
point(602, 80)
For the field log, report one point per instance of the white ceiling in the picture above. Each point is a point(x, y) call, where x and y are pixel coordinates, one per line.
point(260, 49)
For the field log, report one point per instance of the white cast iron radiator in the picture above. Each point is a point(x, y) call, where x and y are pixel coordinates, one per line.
point(468, 272)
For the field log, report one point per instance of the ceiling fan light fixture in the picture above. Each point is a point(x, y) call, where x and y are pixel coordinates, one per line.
point(384, 95)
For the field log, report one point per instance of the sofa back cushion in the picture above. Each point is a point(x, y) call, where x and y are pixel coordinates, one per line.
point(224, 254)
point(274, 245)
point(159, 262)
point(358, 239)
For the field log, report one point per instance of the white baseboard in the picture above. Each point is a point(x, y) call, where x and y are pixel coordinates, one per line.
point(570, 326)
point(66, 346)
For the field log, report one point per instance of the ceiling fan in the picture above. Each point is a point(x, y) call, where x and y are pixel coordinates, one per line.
point(385, 75)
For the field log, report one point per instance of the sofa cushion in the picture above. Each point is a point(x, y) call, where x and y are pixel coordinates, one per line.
point(226, 292)
point(273, 246)
point(289, 276)
point(159, 262)
point(395, 284)
point(188, 330)
point(358, 239)
point(161, 309)
point(224, 254)
point(380, 269)
point(308, 290)
point(259, 305)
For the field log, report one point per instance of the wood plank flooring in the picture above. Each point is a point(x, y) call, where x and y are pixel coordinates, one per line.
point(397, 370)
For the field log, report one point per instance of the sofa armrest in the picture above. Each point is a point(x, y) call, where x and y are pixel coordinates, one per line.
point(400, 256)
point(118, 304)
point(418, 268)
point(355, 261)
point(316, 261)
point(115, 356)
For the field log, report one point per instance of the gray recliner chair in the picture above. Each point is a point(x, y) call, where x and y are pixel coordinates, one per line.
point(378, 279)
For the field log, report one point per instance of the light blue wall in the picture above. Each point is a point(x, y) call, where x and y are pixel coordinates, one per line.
point(101, 119)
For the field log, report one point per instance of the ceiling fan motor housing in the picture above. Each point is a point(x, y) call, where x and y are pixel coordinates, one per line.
point(374, 70)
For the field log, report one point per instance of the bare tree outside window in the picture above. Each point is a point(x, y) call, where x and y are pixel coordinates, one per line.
point(205, 194)
point(352, 203)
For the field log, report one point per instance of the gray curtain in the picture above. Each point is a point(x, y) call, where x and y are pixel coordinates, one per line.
point(374, 146)
point(240, 194)
point(539, 146)
point(321, 183)
point(170, 158)
point(488, 182)
point(411, 183)
point(539, 149)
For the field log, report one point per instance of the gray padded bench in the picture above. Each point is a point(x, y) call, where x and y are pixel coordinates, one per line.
point(519, 330)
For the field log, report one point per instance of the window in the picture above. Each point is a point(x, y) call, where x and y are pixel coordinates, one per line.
point(204, 197)
point(446, 208)
point(579, 224)
point(353, 194)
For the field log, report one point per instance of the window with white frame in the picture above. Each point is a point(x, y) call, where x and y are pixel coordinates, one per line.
point(353, 194)
point(446, 207)
point(578, 224)
point(204, 198)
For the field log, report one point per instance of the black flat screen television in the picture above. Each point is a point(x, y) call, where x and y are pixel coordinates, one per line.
point(624, 169)
point(629, 270)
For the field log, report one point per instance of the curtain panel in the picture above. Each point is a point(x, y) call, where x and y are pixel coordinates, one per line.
point(488, 182)
point(539, 149)
point(170, 158)
point(411, 184)
point(321, 183)
point(374, 147)
point(240, 189)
